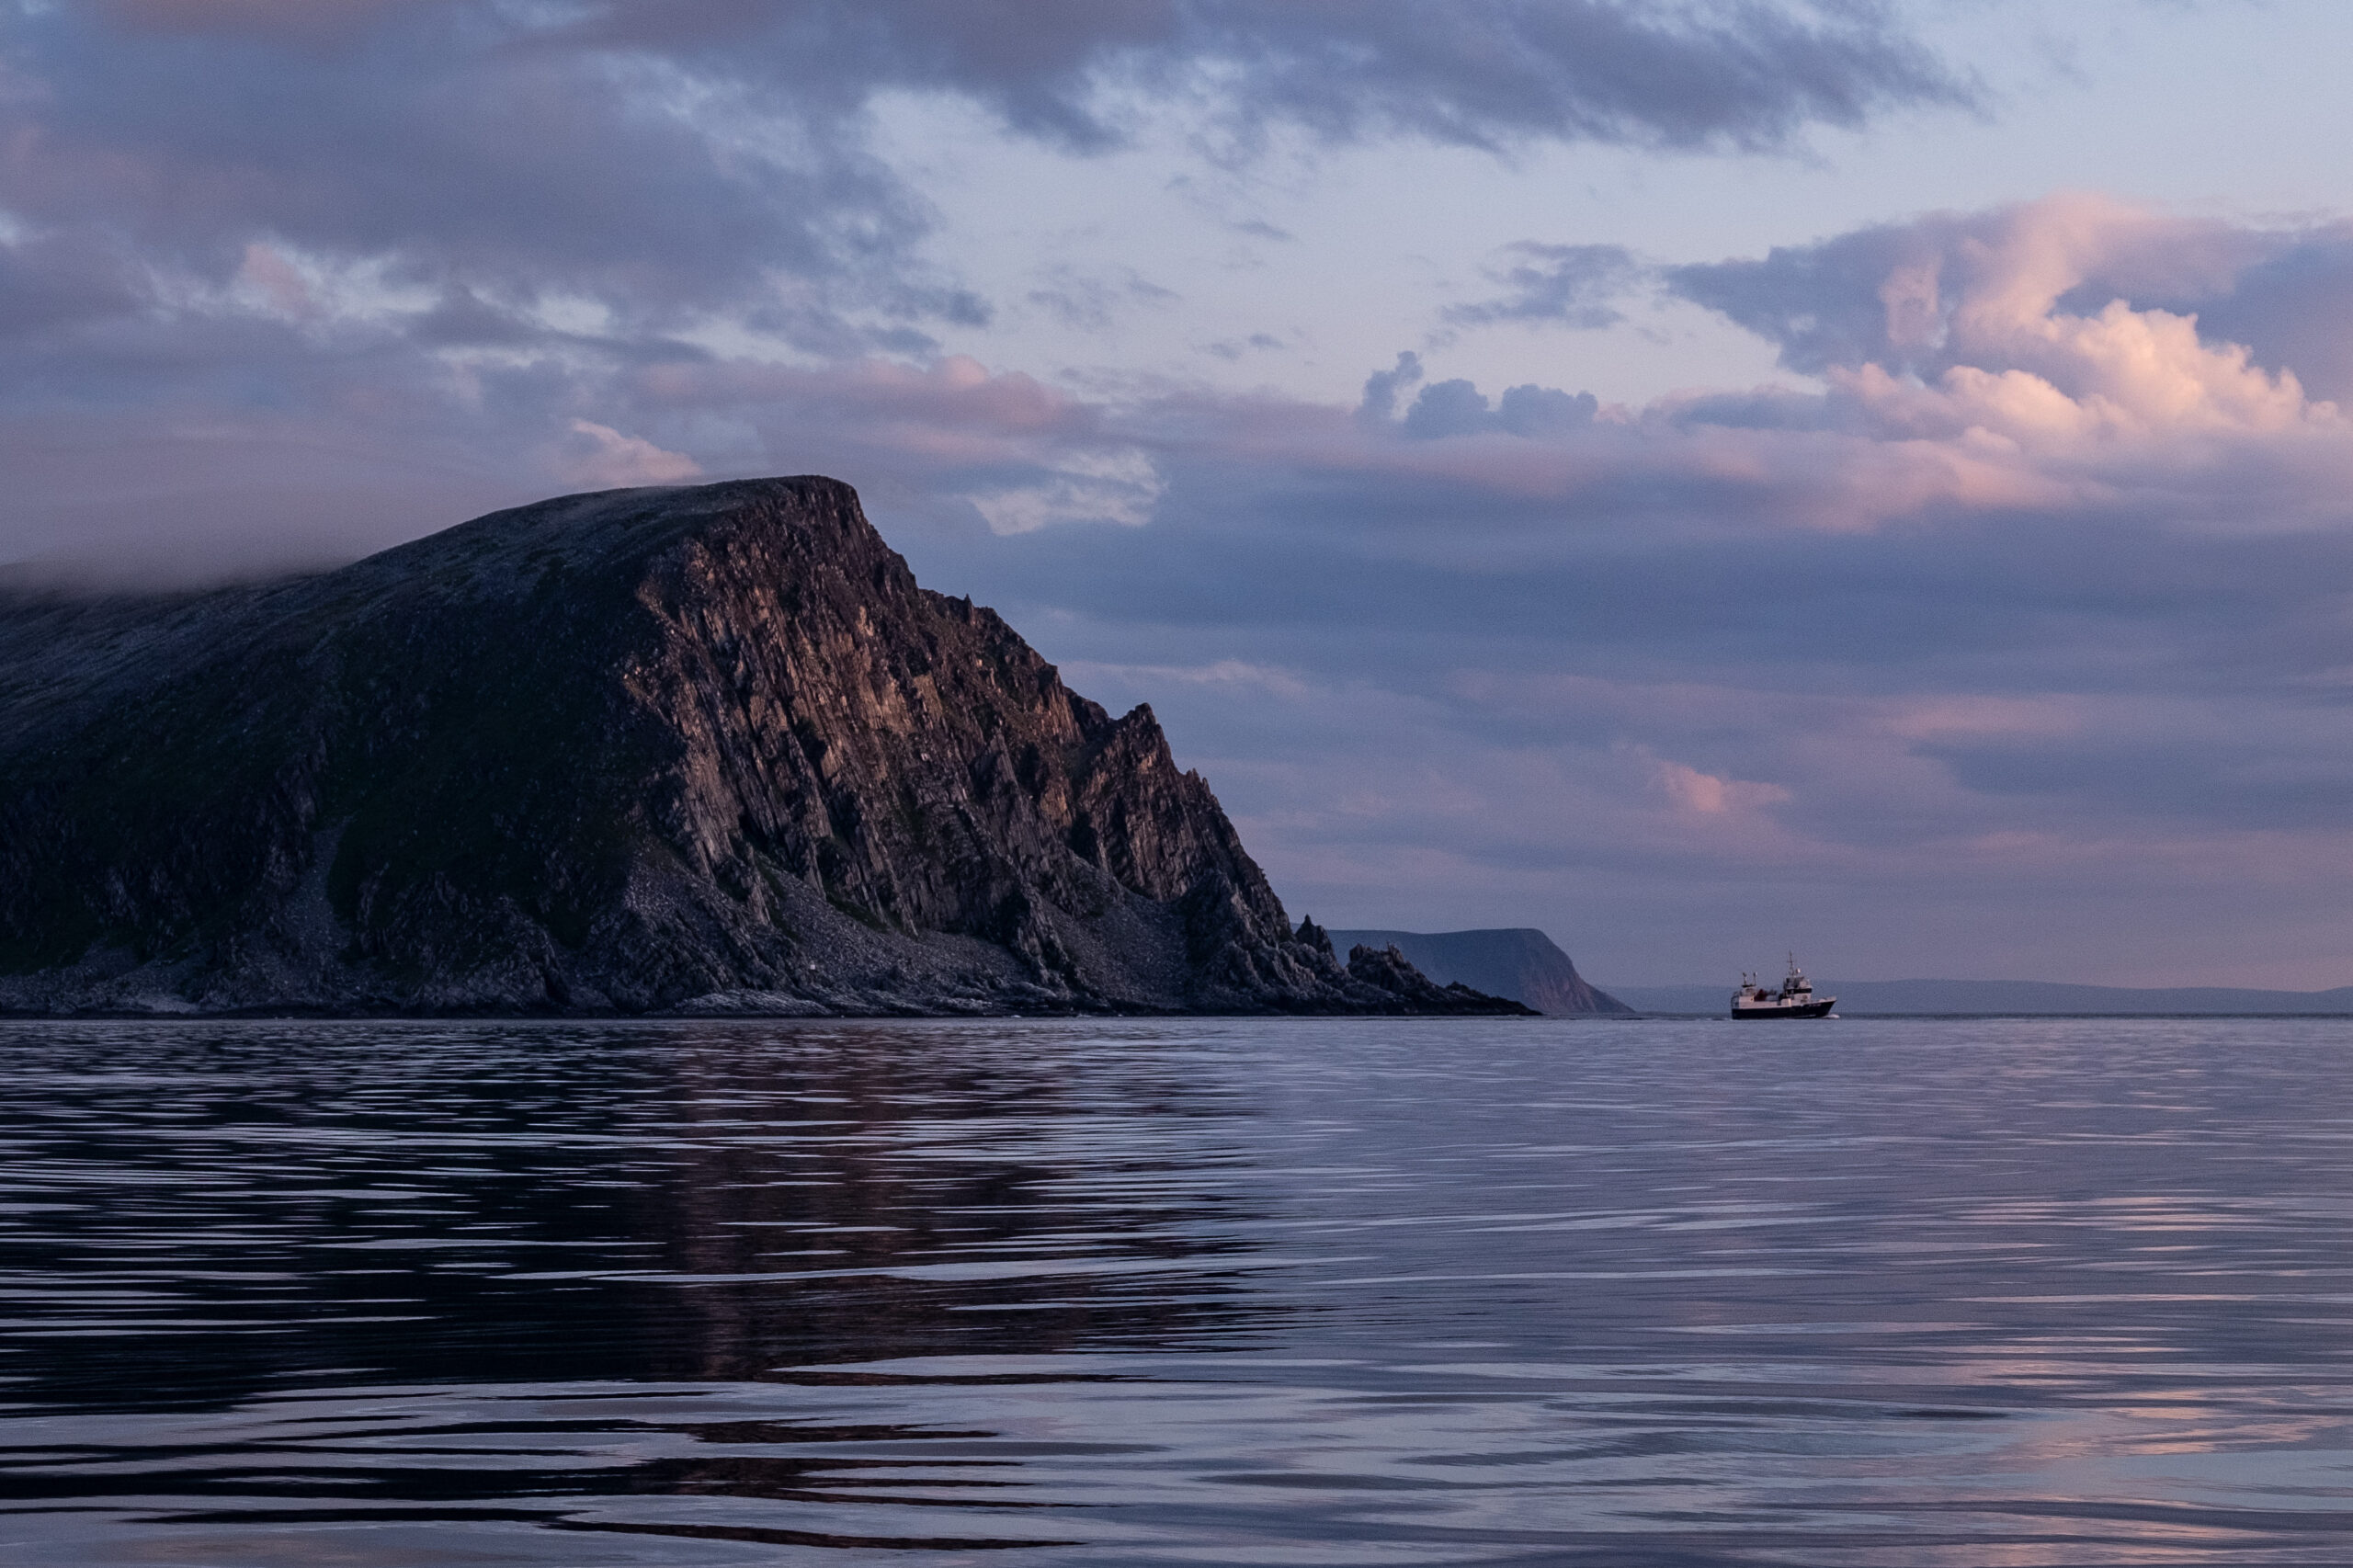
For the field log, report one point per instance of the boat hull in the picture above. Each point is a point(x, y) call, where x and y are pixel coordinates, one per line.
point(1795, 1010)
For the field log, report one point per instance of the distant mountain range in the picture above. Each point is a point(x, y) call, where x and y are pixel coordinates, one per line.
point(1862, 997)
point(1520, 962)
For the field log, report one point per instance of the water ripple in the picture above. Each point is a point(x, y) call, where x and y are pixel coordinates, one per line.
point(1177, 1293)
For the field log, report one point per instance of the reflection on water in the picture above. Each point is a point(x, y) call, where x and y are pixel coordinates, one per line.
point(1208, 1292)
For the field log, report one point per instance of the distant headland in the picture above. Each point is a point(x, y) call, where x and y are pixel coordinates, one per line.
point(1520, 962)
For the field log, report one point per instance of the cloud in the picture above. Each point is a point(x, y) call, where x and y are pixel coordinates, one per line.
point(1485, 72)
point(441, 236)
point(1383, 388)
point(310, 20)
point(1089, 303)
point(2012, 350)
point(1705, 795)
point(1570, 285)
point(1895, 295)
point(667, 159)
point(613, 461)
point(1118, 486)
point(1220, 672)
point(52, 284)
point(1459, 408)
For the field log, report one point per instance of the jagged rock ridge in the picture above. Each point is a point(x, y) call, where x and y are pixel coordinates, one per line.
point(708, 748)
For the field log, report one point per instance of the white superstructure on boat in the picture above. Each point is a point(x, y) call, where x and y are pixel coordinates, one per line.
point(1794, 1000)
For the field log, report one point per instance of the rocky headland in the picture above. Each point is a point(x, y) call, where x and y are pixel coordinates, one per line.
point(1519, 961)
point(698, 750)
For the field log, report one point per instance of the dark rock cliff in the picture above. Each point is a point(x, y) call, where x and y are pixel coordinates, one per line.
point(707, 748)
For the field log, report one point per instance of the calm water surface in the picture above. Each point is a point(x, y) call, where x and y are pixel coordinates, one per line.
point(1867, 1292)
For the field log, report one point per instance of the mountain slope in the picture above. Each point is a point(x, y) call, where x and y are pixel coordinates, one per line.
point(707, 747)
point(1520, 962)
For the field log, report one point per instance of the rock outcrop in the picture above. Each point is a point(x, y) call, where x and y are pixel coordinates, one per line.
point(708, 749)
point(1520, 963)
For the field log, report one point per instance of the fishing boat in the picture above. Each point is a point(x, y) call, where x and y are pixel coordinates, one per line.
point(1794, 1000)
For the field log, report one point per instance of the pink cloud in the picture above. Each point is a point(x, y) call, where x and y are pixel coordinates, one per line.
point(607, 459)
point(1705, 794)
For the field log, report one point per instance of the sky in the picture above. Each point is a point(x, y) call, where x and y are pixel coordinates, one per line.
point(1703, 480)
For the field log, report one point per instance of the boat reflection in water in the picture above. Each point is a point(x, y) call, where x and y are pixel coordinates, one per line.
point(1794, 1000)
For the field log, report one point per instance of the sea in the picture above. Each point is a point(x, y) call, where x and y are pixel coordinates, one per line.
point(1199, 1291)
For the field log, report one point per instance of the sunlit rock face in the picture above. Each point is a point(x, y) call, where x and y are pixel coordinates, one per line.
point(706, 748)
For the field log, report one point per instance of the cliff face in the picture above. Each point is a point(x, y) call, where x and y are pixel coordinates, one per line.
point(1520, 963)
point(709, 748)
